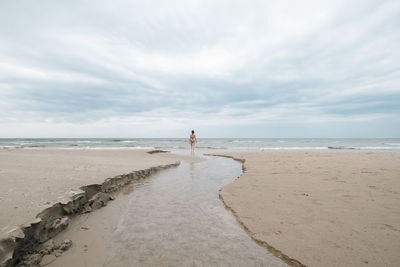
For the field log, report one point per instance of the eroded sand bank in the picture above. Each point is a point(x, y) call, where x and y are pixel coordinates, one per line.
point(31, 180)
point(321, 208)
point(47, 183)
point(172, 219)
point(91, 233)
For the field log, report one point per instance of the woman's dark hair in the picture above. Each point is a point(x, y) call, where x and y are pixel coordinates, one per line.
point(192, 131)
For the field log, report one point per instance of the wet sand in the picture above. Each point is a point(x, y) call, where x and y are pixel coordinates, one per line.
point(91, 233)
point(321, 208)
point(32, 180)
point(173, 219)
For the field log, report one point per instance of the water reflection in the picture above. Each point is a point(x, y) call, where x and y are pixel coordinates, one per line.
point(176, 219)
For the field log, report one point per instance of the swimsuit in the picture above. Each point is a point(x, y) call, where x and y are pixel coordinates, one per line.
point(192, 140)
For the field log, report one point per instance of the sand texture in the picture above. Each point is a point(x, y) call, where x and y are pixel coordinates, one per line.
point(32, 180)
point(91, 232)
point(321, 208)
point(91, 235)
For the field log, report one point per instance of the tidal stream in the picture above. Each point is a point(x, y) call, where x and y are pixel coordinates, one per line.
point(176, 219)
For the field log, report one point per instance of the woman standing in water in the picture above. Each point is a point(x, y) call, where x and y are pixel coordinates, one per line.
point(192, 141)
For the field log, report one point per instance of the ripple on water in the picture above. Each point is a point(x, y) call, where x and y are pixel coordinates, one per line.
point(176, 219)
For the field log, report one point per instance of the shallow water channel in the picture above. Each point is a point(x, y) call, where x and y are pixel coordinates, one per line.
point(176, 219)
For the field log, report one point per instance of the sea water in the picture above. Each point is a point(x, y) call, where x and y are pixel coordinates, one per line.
point(231, 144)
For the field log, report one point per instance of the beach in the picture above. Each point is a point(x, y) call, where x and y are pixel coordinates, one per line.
point(331, 208)
point(174, 218)
point(321, 208)
point(37, 180)
point(32, 180)
point(199, 133)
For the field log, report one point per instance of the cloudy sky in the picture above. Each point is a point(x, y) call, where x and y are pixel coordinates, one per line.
point(126, 68)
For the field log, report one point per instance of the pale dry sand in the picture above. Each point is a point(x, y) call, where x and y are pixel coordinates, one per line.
point(32, 180)
point(321, 208)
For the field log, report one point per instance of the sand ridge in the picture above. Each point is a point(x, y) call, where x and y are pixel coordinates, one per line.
point(91, 191)
point(32, 180)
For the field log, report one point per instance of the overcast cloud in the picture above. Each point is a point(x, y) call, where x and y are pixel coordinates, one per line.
point(225, 68)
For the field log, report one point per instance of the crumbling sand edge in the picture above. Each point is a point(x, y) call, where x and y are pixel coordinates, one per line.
point(53, 220)
point(271, 249)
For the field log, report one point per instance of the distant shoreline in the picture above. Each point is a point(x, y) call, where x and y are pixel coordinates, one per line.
point(206, 144)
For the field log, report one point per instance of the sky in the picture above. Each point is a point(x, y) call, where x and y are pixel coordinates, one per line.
point(127, 68)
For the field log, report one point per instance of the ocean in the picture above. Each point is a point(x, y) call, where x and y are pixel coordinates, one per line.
point(230, 144)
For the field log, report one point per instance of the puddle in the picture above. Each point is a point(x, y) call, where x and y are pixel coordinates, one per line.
point(177, 219)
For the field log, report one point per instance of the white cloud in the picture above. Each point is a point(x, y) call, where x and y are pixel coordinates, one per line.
point(176, 63)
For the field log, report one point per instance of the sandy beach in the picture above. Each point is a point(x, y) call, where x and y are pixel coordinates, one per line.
point(173, 220)
point(31, 180)
point(312, 208)
point(36, 180)
point(321, 208)
point(274, 128)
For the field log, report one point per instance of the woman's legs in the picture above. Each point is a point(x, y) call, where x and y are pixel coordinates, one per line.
point(192, 146)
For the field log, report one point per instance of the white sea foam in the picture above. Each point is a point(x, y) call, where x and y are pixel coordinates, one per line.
point(392, 144)
point(83, 142)
point(378, 148)
point(294, 148)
